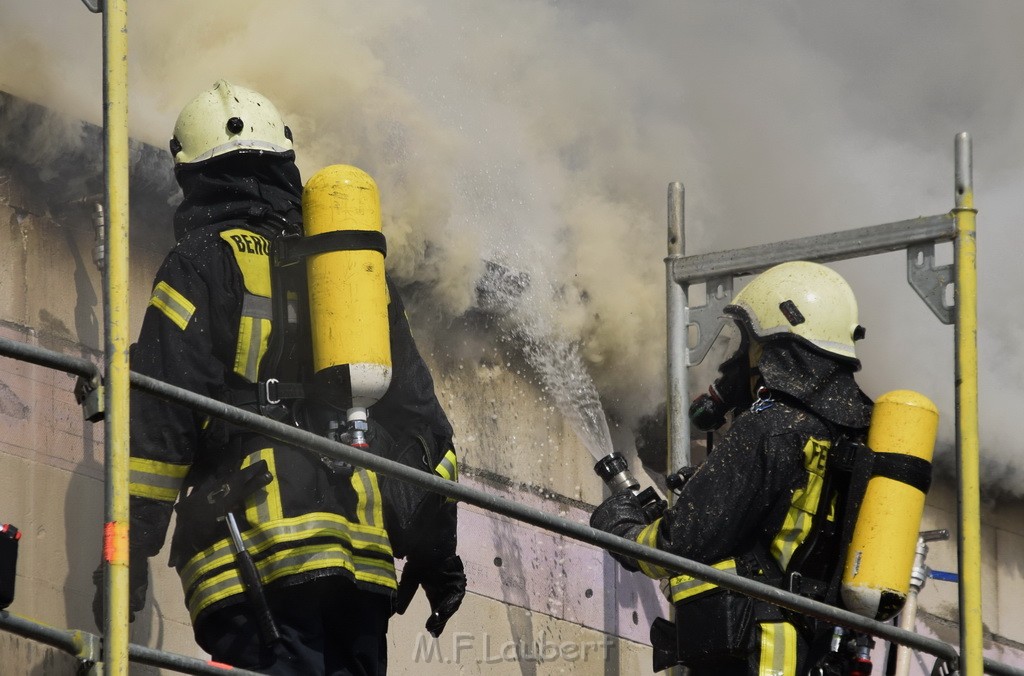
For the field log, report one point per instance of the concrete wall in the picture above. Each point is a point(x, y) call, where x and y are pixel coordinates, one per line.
point(538, 603)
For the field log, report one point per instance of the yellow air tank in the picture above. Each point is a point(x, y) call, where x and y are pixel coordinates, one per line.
point(348, 297)
point(876, 577)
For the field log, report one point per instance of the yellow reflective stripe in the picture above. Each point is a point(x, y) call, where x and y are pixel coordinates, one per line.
point(253, 336)
point(369, 506)
point(804, 504)
point(252, 254)
point(684, 586)
point(448, 468)
point(778, 650)
point(264, 505)
point(291, 531)
point(154, 479)
point(175, 306)
point(290, 562)
point(649, 538)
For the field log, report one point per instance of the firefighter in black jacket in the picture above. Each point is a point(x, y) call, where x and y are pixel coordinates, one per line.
point(313, 528)
point(756, 506)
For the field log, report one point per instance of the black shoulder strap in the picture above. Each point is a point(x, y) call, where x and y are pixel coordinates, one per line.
point(279, 287)
point(855, 461)
point(286, 249)
point(293, 249)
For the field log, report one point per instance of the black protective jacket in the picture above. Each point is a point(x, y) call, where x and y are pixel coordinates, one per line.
point(206, 329)
point(752, 505)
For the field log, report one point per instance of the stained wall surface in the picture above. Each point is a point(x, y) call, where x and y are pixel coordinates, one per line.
point(538, 603)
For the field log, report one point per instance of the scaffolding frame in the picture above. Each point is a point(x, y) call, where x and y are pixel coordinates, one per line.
point(81, 642)
point(112, 652)
point(73, 641)
point(918, 237)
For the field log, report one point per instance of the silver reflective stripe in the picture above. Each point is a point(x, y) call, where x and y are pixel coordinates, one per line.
point(301, 559)
point(264, 505)
point(293, 531)
point(685, 586)
point(155, 479)
point(367, 492)
point(175, 306)
point(255, 311)
point(778, 650)
point(448, 467)
point(257, 306)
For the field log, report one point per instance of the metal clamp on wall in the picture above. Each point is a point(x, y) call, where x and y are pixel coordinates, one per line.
point(89, 395)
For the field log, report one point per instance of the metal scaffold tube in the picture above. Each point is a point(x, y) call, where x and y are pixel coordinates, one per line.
point(957, 226)
point(969, 492)
point(506, 507)
point(678, 385)
point(584, 533)
point(115, 155)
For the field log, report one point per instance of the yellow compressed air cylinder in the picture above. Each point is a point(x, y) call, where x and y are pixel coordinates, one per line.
point(348, 297)
point(876, 578)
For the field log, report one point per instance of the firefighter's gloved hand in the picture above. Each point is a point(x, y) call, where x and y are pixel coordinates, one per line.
point(444, 584)
point(622, 515)
point(676, 480)
point(138, 584)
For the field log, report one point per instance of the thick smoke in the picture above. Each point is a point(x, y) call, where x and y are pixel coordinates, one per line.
point(541, 135)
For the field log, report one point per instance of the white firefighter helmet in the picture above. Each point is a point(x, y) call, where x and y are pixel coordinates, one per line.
point(804, 300)
point(226, 119)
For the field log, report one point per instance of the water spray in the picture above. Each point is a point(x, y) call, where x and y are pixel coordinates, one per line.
point(564, 376)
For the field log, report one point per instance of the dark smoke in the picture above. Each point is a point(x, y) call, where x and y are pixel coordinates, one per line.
point(543, 134)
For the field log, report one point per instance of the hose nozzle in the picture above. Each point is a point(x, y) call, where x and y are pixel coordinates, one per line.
point(614, 472)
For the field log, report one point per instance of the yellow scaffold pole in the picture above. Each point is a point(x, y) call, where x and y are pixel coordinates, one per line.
point(966, 288)
point(115, 146)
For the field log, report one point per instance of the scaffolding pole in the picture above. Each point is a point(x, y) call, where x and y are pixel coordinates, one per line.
point(675, 315)
point(300, 438)
point(916, 235)
point(86, 647)
point(115, 305)
point(504, 506)
point(969, 491)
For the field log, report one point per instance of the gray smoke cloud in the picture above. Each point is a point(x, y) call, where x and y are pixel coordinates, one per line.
point(542, 135)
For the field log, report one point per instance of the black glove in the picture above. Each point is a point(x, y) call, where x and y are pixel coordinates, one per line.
point(678, 479)
point(138, 584)
point(444, 584)
point(622, 515)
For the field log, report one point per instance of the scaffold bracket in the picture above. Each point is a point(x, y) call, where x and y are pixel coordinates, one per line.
point(708, 317)
point(930, 281)
point(89, 395)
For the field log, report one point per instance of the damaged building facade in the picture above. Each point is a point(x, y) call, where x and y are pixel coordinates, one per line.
point(537, 602)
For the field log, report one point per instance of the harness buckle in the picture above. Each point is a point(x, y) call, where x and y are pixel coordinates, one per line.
point(269, 392)
point(764, 400)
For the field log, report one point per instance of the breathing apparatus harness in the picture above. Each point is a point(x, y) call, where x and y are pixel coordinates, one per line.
point(275, 395)
point(816, 567)
point(280, 393)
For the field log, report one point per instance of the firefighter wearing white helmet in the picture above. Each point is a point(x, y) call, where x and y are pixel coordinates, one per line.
point(286, 558)
point(226, 119)
point(759, 505)
point(804, 300)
